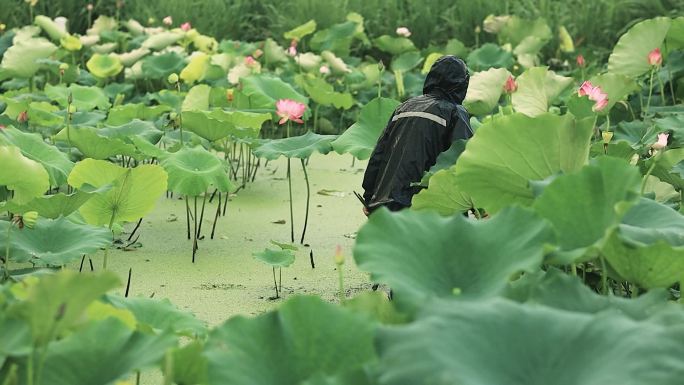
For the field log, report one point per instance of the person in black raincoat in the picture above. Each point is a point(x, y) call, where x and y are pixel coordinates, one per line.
point(419, 130)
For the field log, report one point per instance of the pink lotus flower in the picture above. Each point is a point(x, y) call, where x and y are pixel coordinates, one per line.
point(186, 26)
point(289, 109)
point(580, 61)
point(594, 93)
point(511, 86)
point(662, 141)
point(655, 58)
point(250, 61)
point(168, 20)
point(292, 51)
point(324, 70)
point(403, 32)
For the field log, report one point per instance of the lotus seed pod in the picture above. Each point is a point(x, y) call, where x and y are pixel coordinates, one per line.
point(173, 116)
point(72, 109)
point(63, 66)
point(173, 78)
point(29, 219)
point(607, 136)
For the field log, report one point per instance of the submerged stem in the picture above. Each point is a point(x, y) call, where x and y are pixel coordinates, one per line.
point(289, 185)
point(308, 197)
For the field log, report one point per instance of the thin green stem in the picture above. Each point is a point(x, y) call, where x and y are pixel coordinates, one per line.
point(648, 173)
point(340, 274)
point(604, 275)
point(650, 91)
point(308, 197)
point(275, 283)
point(289, 186)
point(168, 368)
point(6, 274)
point(106, 251)
point(315, 127)
point(573, 268)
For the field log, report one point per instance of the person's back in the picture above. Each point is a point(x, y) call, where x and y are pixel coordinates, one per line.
point(418, 131)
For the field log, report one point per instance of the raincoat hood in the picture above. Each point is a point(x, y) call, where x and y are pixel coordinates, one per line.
point(448, 78)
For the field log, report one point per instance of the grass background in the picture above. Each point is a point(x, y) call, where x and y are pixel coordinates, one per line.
point(596, 23)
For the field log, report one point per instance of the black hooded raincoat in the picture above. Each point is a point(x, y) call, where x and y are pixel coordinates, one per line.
point(418, 131)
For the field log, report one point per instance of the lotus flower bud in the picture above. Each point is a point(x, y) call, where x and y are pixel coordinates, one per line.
point(230, 94)
point(22, 117)
point(70, 98)
point(29, 219)
point(339, 257)
point(607, 136)
point(89, 7)
point(173, 78)
point(580, 61)
point(168, 20)
point(655, 58)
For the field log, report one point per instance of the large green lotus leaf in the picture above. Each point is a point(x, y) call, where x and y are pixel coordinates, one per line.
point(44, 114)
point(103, 24)
point(88, 119)
point(125, 113)
point(337, 38)
point(675, 36)
point(648, 246)
point(192, 170)
point(16, 338)
point(21, 59)
point(189, 364)
point(508, 152)
point(148, 149)
point(133, 196)
point(422, 254)
point(56, 205)
point(489, 56)
point(305, 338)
point(323, 93)
point(617, 86)
point(161, 316)
point(406, 61)
point(516, 30)
point(84, 98)
point(104, 66)
point(159, 41)
point(102, 353)
point(55, 162)
point(484, 90)
point(443, 195)
point(219, 124)
point(637, 133)
point(584, 206)
point(197, 68)
point(50, 27)
point(161, 66)
point(276, 258)
point(394, 45)
point(361, 137)
point(57, 301)
point(132, 57)
point(445, 160)
point(54, 241)
point(295, 147)
point(135, 127)
point(537, 88)
point(298, 32)
point(27, 178)
point(274, 53)
point(197, 98)
point(94, 146)
point(559, 290)
point(263, 91)
point(502, 342)
point(630, 55)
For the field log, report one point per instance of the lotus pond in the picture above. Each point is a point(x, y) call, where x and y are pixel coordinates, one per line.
point(180, 210)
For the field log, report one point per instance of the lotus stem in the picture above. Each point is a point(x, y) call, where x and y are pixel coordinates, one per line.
point(137, 226)
point(573, 268)
point(662, 91)
point(106, 250)
point(128, 283)
point(180, 115)
point(168, 368)
point(604, 275)
point(275, 283)
point(308, 197)
point(187, 214)
point(315, 127)
point(137, 377)
point(289, 185)
point(280, 278)
point(650, 90)
point(218, 212)
point(648, 173)
point(6, 274)
point(194, 238)
point(204, 202)
point(340, 274)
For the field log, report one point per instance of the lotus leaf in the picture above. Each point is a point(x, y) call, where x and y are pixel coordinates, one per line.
point(489, 56)
point(263, 91)
point(196, 68)
point(276, 258)
point(54, 242)
point(50, 27)
point(394, 45)
point(219, 124)
point(84, 98)
point(57, 205)
point(159, 41)
point(197, 98)
point(136, 127)
point(56, 163)
point(123, 114)
point(537, 89)
point(44, 114)
point(584, 206)
point(161, 316)
point(337, 38)
point(92, 145)
point(509, 151)
point(295, 147)
point(161, 66)
point(323, 93)
point(618, 87)
point(300, 31)
point(406, 61)
point(422, 255)
point(484, 90)
point(674, 124)
point(21, 59)
point(443, 195)
point(238, 349)
point(104, 66)
point(133, 196)
point(192, 170)
point(16, 338)
point(27, 178)
point(360, 139)
point(502, 342)
point(102, 353)
point(630, 55)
